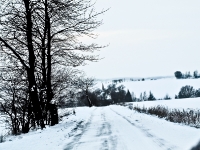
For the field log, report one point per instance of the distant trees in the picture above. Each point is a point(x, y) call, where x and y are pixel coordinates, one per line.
point(128, 97)
point(186, 92)
point(102, 97)
point(167, 97)
point(187, 75)
point(197, 93)
point(118, 81)
point(145, 97)
point(195, 74)
point(151, 97)
point(178, 74)
point(105, 96)
point(141, 97)
point(117, 94)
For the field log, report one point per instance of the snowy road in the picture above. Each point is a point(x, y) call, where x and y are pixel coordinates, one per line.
point(108, 129)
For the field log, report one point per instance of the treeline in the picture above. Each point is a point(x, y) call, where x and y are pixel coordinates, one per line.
point(113, 94)
point(180, 75)
point(131, 79)
point(143, 97)
point(188, 92)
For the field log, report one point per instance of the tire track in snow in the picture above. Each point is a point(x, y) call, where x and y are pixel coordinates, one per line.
point(109, 142)
point(77, 137)
point(159, 141)
point(99, 131)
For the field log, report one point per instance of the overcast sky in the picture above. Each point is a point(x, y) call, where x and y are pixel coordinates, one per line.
point(147, 38)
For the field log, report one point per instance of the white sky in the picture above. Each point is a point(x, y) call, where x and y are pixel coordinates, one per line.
point(147, 38)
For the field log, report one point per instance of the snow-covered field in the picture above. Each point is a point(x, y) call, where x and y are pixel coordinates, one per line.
point(159, 87)
point(187, 103)
point(116, 127)
point(112, 128)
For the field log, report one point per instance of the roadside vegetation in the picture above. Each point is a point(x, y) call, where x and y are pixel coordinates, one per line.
point(188, 117)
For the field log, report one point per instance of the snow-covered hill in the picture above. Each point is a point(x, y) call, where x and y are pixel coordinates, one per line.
point(158, 86)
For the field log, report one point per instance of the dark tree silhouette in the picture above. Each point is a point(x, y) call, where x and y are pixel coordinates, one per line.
point(186, 92)
point(151, 97)
point(178, 74)
point(128, 97)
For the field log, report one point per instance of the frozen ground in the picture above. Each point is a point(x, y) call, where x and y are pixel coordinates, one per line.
point(107, 128)
point(159, 87)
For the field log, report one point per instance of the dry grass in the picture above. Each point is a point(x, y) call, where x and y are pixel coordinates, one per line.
point(188, 117)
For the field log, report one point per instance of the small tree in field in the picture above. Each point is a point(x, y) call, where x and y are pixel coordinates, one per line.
point(178, 74)
point(195, 74)
point(128, 97)
point(151, 97)
point(167, 97)
point(141, 97)
point(145, 96)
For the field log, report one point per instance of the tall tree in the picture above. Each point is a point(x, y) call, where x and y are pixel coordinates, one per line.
point(128, 97)
point(42, 36)
point(151, 97)
point(14, 36)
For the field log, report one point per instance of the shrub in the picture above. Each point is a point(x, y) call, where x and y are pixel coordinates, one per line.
point(151, 97)
point(188, 117)
point(186, 92)
point(159, 111)
point(197, 93)
point(167, 97)
point(1, 138)
point(178, 74)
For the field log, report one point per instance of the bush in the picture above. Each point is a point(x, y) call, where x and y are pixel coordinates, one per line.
point(197, 93)
point(178, 74)
point(151, 97)
point(167, 97)
point(186, 92)
point(1, 138)
point(188, 117)
point(159, 111)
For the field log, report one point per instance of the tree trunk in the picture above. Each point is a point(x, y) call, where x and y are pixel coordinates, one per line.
point(30, 72)
point(54, 110)
point(88, 99)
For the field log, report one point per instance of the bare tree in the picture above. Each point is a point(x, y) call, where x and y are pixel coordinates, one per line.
point(85, 84)
point(41, 37)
